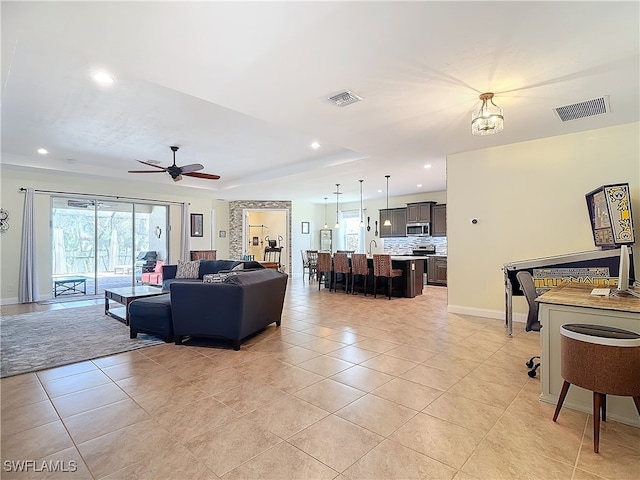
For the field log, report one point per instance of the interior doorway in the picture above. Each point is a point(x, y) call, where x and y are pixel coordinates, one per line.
point(265, 234)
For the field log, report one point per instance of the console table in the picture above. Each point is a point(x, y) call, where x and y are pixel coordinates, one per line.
point(573, 303)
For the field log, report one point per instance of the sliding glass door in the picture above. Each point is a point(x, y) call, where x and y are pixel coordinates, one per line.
point(99, 244)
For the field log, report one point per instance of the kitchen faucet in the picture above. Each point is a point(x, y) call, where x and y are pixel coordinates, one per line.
point(374, 242)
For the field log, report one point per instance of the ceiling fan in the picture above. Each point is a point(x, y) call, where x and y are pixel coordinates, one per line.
point(176, 172)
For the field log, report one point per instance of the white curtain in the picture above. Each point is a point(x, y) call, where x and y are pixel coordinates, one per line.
point(186, 230)
point(28, 281)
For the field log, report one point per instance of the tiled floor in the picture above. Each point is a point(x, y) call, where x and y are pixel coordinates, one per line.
point(349, 388)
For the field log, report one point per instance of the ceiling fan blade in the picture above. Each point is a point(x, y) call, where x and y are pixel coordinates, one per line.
point(152, 165)
point(146, 171)
point(192, 167)
point(208, 176)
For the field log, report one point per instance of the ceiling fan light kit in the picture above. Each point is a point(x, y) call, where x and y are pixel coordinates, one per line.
point(488, 119)
point(176, 172)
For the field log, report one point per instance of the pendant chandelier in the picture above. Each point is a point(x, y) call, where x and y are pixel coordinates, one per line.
point(387, 222)
point(488, 119)
point(361, 210)
point(337, 225)
point(325, 213)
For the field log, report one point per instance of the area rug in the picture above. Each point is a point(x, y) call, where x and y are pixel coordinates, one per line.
point(39, 340)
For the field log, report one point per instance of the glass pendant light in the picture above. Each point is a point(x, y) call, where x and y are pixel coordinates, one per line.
point(325, 213)
point(337, 225)
point(488, 119)
point(361, 210)
point(387, 222)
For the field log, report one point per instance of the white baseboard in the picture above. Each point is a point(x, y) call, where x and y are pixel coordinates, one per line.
point(479, 312)
point(9, 301)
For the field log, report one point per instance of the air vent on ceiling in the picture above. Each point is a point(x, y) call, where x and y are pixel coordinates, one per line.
point(345, 98)
point(588, 108)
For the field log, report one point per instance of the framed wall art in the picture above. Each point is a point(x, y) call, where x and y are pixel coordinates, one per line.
point(197, 220)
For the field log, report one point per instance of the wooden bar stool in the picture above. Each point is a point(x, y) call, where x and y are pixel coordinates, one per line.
point(359, 266)
point(341, 265)
point(382, 268)
point(605, 360)
point(324, 267)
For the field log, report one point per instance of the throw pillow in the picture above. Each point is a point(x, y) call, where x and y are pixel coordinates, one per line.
point(188, 269)
point(240, 266)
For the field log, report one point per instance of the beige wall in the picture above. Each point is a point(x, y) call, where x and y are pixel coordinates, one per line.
point(529, 202)
point(12, 179)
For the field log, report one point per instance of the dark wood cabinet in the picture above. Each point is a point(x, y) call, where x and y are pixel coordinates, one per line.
point(419, 212)
point(439, 221)
point(398, 217)
point(437, 270)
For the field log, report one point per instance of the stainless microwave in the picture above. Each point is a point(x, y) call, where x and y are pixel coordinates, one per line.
point(418, 230)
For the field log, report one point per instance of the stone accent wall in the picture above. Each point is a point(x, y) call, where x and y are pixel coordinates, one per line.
point(235, 222)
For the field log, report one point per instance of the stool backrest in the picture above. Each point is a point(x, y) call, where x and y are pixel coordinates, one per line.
point(359, 264)
point(382, 264)
point(324, 262)
point(341, 263)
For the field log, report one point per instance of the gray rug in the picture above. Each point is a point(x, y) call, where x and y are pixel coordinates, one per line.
point(40, 340)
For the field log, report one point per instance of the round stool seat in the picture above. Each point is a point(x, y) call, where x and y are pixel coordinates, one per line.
point(605, 360)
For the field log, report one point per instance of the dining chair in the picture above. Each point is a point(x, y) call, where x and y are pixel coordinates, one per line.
point(312, 260)
point(324, 267)
point(382, 268)
point(359, 266)
point(341, 266)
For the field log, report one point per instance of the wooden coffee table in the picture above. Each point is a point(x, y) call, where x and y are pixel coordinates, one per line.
point(126, 295)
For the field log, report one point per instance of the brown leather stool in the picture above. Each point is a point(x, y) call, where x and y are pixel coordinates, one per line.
point(605, 360)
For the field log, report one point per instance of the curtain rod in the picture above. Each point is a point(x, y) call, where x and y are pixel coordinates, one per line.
point(22, 189)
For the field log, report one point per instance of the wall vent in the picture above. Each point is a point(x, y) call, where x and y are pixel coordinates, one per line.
point(588, 108)
point(345, 98)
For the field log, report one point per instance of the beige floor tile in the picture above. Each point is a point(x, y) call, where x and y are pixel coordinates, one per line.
point(21, 391)
point(88, 399)
point(496, 460)
point(376, 414)
point(346, 337)
point(485, 392)
point(388, 364)
point(177, 463)
point(119, 449)
point(66, 370)
point(413, 354)
point(27, 416)
point(194, 418)
point(325, 365)
point(392, 460)
point(144, 384)
point(174, 396)
point(220, 380)
point(431, 377)
point(407, 393)
point(265, 366)
point(296, 355)
point(291, 379)
point(36, 442)
point(99, 421)
point(138, 368)
point(378, 345)
point(282, 462)
point(329, 395)
point(438, 439)
point(249, 396)
point(298, 338)
point(579, 474)
point(67, 463)
point(475, 416)
point(75, 383)
point(335, 442)
point(231, 444)
point(362, 378)
point(120, 358)
point(322, 345)
point(353, 354)
point(452, 364)
point(287, 416)
point(172, 356)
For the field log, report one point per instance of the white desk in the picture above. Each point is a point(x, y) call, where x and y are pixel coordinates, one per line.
point(573, 303)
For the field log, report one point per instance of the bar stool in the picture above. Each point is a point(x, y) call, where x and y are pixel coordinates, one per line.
point(324, 268)
point(382, 268)
point(341, 265)
point(605, 360)
point(360, 267)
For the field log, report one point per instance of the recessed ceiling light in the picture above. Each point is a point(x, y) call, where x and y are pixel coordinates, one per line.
point(103, 78)
point(43, 151)
point(428, 165)
point(419, 185)
point(315, 145)
point(379, 191)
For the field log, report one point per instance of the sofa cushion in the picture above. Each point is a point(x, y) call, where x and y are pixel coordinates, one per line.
point(215, 266)
point(188, 269)
point(253, 277)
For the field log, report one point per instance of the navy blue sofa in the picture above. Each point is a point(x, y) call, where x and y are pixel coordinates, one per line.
point(206, 267)
point(242, 305)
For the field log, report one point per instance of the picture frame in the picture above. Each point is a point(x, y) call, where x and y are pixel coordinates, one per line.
point(222, 234)
point(305, 228)
point(197, 224)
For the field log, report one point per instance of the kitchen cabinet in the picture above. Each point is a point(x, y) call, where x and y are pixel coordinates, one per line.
point(398, 217)
point(419, 212)
point(437, 270)
point(439, 221)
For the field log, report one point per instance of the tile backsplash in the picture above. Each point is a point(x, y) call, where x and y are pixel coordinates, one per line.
point(400, 245)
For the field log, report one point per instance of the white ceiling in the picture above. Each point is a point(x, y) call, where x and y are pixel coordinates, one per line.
point(242, 87)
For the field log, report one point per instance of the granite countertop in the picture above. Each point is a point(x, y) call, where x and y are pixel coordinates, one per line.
point(579, 295)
